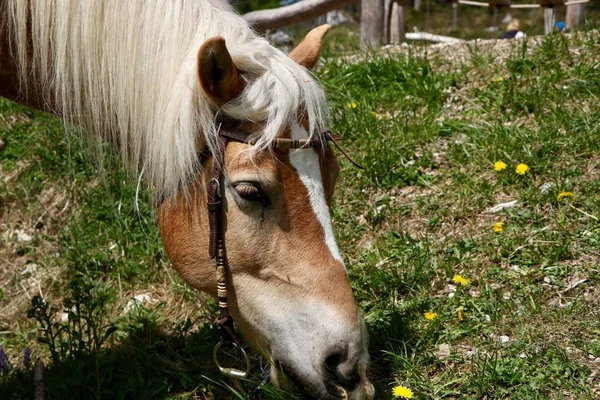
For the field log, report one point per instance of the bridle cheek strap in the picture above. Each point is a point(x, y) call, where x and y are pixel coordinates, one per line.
point(216, 247)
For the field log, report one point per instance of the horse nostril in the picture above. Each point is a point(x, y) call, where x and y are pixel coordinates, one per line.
point(341, 371)
point(332, 361)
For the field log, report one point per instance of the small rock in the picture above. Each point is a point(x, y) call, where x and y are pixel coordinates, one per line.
point(22, 236)
point(451, 291)
point(461, 139)
point(137, 301)
point(504, 339)
point(518, 270)
point(546, 187)
point(443, 351)
point(366, 245)
point(30, 270)
point(502, 206)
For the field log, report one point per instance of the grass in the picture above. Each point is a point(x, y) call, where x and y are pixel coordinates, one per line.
point(428, 126)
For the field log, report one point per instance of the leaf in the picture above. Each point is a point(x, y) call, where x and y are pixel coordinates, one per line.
point(108, 332)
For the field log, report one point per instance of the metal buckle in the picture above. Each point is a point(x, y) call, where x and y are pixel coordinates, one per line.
point(233, 373)
point(216, 182)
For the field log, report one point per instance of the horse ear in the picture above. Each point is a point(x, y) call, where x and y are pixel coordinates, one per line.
point(218, 75)
point(307, 52)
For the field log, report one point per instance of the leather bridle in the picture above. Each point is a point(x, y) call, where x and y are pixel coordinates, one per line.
point(228, 132)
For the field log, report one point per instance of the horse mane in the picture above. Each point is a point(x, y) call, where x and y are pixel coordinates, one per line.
point(125, 71)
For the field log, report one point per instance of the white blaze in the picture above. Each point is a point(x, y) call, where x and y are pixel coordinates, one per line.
point(306, 163)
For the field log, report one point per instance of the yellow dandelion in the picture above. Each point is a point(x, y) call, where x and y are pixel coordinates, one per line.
point(498, 227)
point(460, 313)
point(522, 169)
point(497, 79)
point(402, 391)
point(499, 166)
point(351, 105)
point(430, 316)
point(566, 195)
point(460, 280)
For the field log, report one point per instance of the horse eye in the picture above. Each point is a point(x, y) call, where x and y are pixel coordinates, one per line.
point(251, 192)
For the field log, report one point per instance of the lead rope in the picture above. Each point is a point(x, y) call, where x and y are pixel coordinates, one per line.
point(218, 251)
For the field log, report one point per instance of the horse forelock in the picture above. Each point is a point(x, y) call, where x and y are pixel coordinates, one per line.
point(126, 72)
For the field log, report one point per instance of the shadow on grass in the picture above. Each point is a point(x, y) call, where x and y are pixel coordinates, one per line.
point(147, 365)
point(150, 364)
point(393, 334)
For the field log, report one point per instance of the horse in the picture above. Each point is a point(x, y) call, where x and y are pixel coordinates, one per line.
point(158, 80)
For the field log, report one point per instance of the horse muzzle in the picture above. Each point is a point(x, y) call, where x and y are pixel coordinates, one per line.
point(353, 387)
point(334, 368)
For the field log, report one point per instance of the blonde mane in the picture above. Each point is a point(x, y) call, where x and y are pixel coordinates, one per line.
point(125, 71)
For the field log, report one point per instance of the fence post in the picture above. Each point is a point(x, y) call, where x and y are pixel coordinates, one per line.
point(548, 20)
point(454, 15)
point(387, 25)
point(549, 13)
point(371, 23)
point(399, 14)
point(574, 16)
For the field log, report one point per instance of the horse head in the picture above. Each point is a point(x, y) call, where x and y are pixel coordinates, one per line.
point(289, 291)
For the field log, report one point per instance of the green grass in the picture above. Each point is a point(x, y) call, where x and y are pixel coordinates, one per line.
point(428, 130)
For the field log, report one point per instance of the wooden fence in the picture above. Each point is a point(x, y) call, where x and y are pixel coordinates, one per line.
point(384, 20)
point(394, 32)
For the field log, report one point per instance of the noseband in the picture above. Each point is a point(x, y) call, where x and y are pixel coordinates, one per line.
point(216, 217)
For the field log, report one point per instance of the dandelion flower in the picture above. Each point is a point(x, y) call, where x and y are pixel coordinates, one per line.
point(460, 313)
point(460, 280)
point(499, 166)
point(402, 391)
point(498, 227)
point(566, 195)
point(522, 169)
point(430, 316)
point(351, 105)
point(497, 79)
